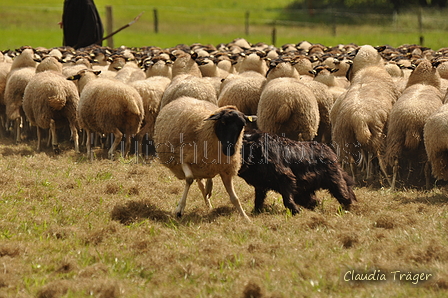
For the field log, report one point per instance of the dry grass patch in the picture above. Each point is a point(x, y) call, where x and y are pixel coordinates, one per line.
point(74, 228)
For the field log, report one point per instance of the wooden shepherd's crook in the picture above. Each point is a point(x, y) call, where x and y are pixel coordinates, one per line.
point(125, 26)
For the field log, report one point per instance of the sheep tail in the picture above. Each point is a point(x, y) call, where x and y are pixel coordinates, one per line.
point(57, 102)
point(439, 165)
point(133, 108)
point(363, 133)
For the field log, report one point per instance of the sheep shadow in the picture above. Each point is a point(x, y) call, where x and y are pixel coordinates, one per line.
point(135, 211)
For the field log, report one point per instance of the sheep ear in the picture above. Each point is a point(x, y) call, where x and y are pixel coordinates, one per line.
point(251, 118)
point(74, 78)
point(334, 70)
point(216, 116)
point(313, 72)
point(435, 64)
point(97, 72)
point(380, 48)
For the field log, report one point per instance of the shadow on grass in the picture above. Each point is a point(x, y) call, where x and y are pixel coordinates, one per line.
point(135, 211)
point(433, 199)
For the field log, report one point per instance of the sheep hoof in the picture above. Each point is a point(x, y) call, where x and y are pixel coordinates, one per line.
point(178, 214)
point(56, 149)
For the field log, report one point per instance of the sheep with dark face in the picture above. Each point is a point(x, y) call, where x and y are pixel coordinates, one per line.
point(196, 149)
point(294, 169)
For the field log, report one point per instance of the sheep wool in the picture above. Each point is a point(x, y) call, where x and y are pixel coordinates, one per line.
point(435, 136)
point(108, 106)
point(288, 108)
point(191, 86)
point(193, 148)
point(49, 100)
point(242, 91)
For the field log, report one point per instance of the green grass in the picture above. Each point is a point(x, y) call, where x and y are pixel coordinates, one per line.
point(212, 22)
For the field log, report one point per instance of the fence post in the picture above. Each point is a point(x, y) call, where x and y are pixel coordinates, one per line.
point(247, 22)
point(156, 21)
point(333, 18)
point(420, 26)
point(109, 26)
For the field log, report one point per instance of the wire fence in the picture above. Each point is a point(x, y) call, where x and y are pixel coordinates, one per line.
point(208, 21)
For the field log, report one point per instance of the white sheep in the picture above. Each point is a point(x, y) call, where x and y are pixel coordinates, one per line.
point(289, 108)
point(243, 91)
point(435, 135)
point(252, 61)
point(49, 101)
point(22, 70)
point(188, 85)
point(158, 66)
point(420, 99)
point(325, 75)
point(108, 106)
point(151, 90)
point(359, 116)
point(196, 139)
point(5, 68)
point(185, 64)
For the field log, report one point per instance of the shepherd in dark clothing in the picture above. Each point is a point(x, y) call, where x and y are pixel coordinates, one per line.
point(81, 23)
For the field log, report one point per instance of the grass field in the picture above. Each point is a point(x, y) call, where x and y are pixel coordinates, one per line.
point(213, 22)
point(74, 228)
point(70, 227)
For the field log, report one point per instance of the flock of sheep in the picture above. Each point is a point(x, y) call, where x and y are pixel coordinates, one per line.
point(382, 110)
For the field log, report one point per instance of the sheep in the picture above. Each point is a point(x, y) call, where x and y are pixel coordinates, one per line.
point(284, 67)
point(22, 70)
point(49, 101)
point(359, 116)
point(49, 63)
point(420, 99)
point(185, 64)
point(243, 91)
point(252, 61)
point(130, 72)
point(435, 137)
point(188, 85)
point(196, 149)
point(151, 90)
point(108, 106)
point(158, 66)
point(294, 169)
point(325, 75)
point(288, 107)
point(5, 68)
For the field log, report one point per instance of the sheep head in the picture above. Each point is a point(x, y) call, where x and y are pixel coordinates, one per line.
point(228, 126)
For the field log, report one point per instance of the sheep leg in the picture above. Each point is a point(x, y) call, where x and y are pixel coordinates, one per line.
point(369, 166)
point(428, 175)
point(353, 168)
point(54, 137)
point(394, 174)
point(89, 144)
point(49, 138)
point(17, 123)
point(206, 191)
point(383, 167)
point(75, 137)
point(127, 146)
point(39, 138)
point(188, 180)
point(228, 183)
point(118, 136)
